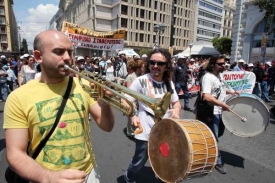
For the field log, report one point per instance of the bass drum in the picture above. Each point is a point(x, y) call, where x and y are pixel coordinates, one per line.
point(180, 149)
point(250, 107)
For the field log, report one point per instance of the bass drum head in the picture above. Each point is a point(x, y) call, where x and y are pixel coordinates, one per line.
point(168, 151)
point(253, 109)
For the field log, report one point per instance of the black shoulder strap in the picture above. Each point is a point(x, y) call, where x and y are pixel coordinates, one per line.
point(59, 113)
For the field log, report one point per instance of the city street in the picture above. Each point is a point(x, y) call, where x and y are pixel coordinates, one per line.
point(248, 160)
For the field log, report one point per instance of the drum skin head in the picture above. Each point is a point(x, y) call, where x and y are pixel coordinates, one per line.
point(169, 166)
point(250, 107)
point(181, 149)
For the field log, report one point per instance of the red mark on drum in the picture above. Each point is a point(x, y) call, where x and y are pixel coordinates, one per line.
point(164, 149)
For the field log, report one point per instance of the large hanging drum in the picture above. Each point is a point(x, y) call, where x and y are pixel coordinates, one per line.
point(250, 107)
point(180, 149)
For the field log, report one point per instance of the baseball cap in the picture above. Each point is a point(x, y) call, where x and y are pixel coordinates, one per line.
point(144, 56)
point(26, 55)
point(241, 61)
point(181, 56)
point(108, 61)
point(3, 56)
point(192, 60)
point(80, 58)
point(250, 65)
point(268, 63)
point(21, 57)
point(121, 53)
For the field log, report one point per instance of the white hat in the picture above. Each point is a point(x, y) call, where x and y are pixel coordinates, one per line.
point(250, 65)
point(227, 64)
point(181, 56)
point(80, 58)
point(192, 60)
point(144, 56)
point(241, 61)
point(21, 57)
point(3, 56)
point(26, 55)
point(121, 53)
point(108, 61)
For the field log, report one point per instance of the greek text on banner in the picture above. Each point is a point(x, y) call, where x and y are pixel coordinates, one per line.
point(95, 42)
point(76, 29)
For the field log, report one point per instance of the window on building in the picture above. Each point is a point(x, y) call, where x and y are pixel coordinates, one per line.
point(2, 12)
point(150, 3)
point(141, 37)
point(142, 2)
point(2, 20)
point(155, 16)
point(124, 10)
point(3, 38)
point(149, 15)
point(1, 2)
point(137, 25)
point(124, 22)
point(156, 5)
point(137, 11)
point(3, 29)
point(141, 26)
point(149, 27)
point(142, 12)
point(136, 37)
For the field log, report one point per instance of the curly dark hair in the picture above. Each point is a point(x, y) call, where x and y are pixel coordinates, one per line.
point(169, 69)
point(212, 61)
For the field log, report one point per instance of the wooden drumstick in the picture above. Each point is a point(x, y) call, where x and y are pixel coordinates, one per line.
point(242, 118)
point(139, 129)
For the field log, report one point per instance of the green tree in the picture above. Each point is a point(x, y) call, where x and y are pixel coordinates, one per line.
point(223, 44)
point(24, 48)
point(269, 7)
point(144, 51)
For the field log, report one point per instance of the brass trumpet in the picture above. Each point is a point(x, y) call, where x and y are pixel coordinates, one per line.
point(159, 106)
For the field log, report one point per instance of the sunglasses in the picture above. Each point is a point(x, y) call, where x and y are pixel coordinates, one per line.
point(220, 64)
point(159, 63)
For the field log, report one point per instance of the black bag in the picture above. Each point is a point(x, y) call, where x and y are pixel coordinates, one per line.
point(205, 112)
point(10, 175)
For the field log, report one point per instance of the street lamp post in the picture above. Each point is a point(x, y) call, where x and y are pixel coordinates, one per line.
point(190, 46)
point(158, 29)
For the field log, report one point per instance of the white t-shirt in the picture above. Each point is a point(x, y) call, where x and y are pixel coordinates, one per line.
point(213, 85)
point(153, 89)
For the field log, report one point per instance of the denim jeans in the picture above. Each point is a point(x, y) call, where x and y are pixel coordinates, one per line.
point(3, 91)
point(257, 90)
point(271, 86)
point(217, 128)
point(185, 93)
point(138, 161)
point(265, 90)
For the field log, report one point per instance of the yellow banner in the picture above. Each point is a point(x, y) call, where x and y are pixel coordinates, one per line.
point(76, 29)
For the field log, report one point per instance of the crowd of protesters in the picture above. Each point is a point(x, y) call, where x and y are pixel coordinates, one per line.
point(186, 70)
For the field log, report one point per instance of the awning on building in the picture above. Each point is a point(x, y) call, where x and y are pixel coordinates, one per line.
point(201, 48)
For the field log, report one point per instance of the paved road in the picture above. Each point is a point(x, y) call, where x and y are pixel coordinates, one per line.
point(248, 160)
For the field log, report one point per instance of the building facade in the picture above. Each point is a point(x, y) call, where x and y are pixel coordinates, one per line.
point(9, 33)
point(249, 31)
point(228, 18)
point(138, 17)
point(209, 21)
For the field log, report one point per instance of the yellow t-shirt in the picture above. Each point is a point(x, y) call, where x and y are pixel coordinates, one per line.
point(35, 105)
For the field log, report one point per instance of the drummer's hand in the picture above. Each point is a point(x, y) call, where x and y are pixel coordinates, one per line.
point(225, 107)
point(175, 113)
point(236, 93)
point(135, 120)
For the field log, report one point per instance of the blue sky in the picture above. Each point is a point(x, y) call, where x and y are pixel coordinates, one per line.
point(33, 16)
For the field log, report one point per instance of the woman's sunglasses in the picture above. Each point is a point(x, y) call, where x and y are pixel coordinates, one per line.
point(220, 64)
point(159, 63)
